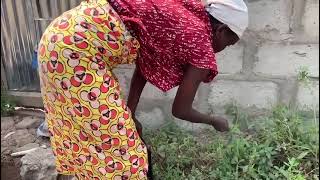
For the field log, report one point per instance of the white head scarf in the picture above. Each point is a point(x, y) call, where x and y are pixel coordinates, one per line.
point(233, 13)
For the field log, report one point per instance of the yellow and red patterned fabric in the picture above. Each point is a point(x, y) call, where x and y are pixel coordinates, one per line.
point(93, 135)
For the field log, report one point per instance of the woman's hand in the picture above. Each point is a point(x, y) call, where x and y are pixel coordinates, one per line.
point(220, 124)
point(182, 105)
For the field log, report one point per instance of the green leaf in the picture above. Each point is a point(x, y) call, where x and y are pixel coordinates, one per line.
point(302, 155)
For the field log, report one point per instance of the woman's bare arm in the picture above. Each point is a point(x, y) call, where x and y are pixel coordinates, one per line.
point(137, 84)
point(136, 87)
point(182, 106)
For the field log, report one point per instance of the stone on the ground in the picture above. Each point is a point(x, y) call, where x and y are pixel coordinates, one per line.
point(5, 151)
point(43, 141)
point(8, 134)
point(27, 147)
point(29, 122)
point(33, 132)
point(17, 119)
point(9, 143)
point(7, 123)
point(23, 137)
point(38, 165)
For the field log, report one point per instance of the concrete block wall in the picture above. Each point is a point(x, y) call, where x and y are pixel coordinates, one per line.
point(259, 72)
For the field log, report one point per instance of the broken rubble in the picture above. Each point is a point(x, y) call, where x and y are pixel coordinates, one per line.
point(7, 123)
point(23, 137)
point(27, 147)
point(38, 165)
point(29, 122)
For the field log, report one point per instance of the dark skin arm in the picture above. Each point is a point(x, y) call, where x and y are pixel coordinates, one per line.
point(182, 105)
point(136, 87)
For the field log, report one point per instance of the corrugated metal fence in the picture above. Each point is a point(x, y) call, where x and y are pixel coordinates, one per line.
point(22, 24)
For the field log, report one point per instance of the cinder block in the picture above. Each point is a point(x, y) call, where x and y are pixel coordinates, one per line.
point(286, 60)
point(171, 94)
point(308, 95)
point(229, 61)
point(259, 94)
point(269, 15)
point(310, 19)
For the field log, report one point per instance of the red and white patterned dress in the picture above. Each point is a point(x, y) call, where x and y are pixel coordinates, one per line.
point(172, 34)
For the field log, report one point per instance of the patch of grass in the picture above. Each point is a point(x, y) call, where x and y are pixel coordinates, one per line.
point(279, 147)
point(7, 104)
point(304, 75)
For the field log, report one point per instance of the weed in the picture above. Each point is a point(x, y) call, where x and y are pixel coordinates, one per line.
point(7, 104)
point(304, 78)
point(303, 75)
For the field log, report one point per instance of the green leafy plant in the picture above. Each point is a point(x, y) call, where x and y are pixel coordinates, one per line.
point(303, 75)
point(290, 171)
point(7, 104)
point(304, 78)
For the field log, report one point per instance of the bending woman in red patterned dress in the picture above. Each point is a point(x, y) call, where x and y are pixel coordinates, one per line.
point(178, 42)
point(94, 132)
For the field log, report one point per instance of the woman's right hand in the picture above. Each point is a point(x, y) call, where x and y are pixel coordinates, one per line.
point(182, 105)
point(220, 124)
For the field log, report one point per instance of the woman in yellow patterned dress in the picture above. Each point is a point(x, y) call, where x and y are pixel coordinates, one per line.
point(93, 135)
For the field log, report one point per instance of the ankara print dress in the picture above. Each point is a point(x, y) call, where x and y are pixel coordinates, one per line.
point(93, 135)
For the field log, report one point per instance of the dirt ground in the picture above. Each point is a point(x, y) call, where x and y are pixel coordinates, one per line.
point(10, 169)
